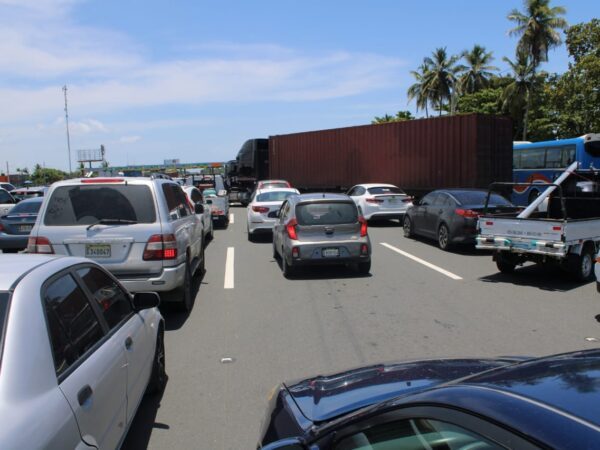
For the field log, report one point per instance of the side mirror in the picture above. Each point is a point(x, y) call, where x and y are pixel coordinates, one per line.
point(278, 213)
point(199, 208)
point(145, 300)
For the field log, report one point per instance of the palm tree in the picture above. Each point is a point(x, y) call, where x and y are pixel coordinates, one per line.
point(385, 119)
point(419, 90)
point(478, 70)
point(441, 79)
point(516, 95)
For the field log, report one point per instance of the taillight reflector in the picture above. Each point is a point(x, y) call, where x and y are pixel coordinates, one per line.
point(556, 228)
point(364, 249)
point(160, 247)
point(363, 226)
point(373, 200)
point(260, 209)
point(39, 245)
point(291, 229)
point(489, 223)
point(469, 213)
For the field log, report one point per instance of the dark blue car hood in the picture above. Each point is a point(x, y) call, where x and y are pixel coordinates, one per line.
point(324, 397)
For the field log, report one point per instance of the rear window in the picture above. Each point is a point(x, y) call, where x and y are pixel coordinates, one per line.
point(5, 197)
point(4, 296)
point(26, 208)
point(277, 196)
point(274, 184)
point(326, 213)
point(378, 190)
point(478, 198)
point(84, 205)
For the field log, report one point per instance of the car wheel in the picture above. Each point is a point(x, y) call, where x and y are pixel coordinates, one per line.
point(10, 250)
point(584, 268)
point(158, 377)
point(288, 269)
point(202, 266)
point(250, 235)
point(504, 263)
point(275, 254)
point(444, 237)
point(187, 300)
point(364, 267)
point(407, 226)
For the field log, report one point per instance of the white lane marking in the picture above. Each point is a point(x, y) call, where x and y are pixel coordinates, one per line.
point(229, 268)
point(421, 261)
point(231, 218)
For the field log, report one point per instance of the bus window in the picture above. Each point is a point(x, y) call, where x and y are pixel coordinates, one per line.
point(568, 155)
point(516, 159)
point(533, 158)
point(553, 158)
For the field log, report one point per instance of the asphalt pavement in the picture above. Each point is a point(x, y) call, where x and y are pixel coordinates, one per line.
point(251, 328)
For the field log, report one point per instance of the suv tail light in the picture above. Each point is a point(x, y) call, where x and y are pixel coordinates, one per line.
point(160, 247)
point(363, 226)
point(260, 209)
point(1, 228)
point(468, 213)
point(373, 200)
point(291, 229)
point(39, 245)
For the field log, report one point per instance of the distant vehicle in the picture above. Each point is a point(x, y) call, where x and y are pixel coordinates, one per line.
point(251, 164)
point(444, 404)
point(263, 208)
point(219, 206)
point(79, 352)
point(7, 201)
point(380, 201)
point(196, 198)
point(450, 215)
point(17, 224)
point(7, 186)
point(267, 184)
point(321, 228)
point(542, 162)
point(29, 192)
point(141, 229)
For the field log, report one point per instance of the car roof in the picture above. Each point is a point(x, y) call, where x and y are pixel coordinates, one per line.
point(32, 200)
point(13, 267)
point(370, 185)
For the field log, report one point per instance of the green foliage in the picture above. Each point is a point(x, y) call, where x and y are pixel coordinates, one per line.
point(400, 116)
point(484, 101)
point(42, 176)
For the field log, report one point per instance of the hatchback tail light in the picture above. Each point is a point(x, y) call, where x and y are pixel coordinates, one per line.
point(407, 200)
point(39, 245)
point(160, 247)
point(260, 209)
point(291, 229)
point(364, 249)
point(468, 213)
point(363, 226)
point(1, 228)
point(373, 200)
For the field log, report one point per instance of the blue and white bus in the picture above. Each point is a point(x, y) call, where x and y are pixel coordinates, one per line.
point(543, 162)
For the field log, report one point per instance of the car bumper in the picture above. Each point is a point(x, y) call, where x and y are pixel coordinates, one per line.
point(259, 225)
point(385, 216)
point(372, 212)
point(313, 253)
point(169, 279)
point(13, 242)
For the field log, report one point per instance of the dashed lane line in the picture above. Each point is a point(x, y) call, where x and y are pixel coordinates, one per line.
point(229, 265)
point(231, 218)
point(422, 261)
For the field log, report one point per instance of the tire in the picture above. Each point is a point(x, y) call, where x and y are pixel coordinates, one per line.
point(10, 250)
point(275, 254)
point(158, 377)
point(364, 267)
point(504, 264)
point(583, 269)
point(288, 269)
point(185, 291)
point(407, 227)
point(444, 237)
point(250, 235)
point(202, 266)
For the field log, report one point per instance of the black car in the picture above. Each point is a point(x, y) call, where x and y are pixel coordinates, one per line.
point(450, 215)
point(17, 224)
point(514, 403)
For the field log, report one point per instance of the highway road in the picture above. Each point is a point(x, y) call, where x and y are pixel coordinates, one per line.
point(251, 328)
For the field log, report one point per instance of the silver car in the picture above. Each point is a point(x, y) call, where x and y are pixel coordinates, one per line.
point(196, 198)
point(142, 230)
point(78, 353)
point(321, 229)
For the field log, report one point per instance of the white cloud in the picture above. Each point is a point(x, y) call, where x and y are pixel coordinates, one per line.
point(129, 139)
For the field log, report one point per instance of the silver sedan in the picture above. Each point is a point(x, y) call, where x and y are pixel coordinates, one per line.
point(78, 353)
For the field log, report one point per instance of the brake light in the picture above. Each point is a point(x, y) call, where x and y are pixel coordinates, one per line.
point(1, 228)
point(102, 180)
point(363, 226)
point(260, 209)
point(291, 229)
point(295, 252)
point(160, 247)
point(217, 212)
point(373, 200)
point(556, 228)
point(468, 213)
point(39, 245)
point(364, 249)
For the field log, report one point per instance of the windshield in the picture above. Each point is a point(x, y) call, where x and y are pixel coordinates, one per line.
point(4, 298)
point(84, 205)
point(385, 190)
point(277, 196)
point(478, 198)
point(25, 207)
point(5, 197)
point(326, 213)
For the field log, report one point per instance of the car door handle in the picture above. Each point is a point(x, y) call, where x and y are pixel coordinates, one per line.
point(84, 394)
point(128, 342)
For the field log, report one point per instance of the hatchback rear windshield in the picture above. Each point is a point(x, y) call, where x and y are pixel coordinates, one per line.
point(326, 213)
point(378, 190)
point(275, 184)
point(478, 198)
point(4, 296)
point(26, 208)
point(277, 196)
point(84, 205)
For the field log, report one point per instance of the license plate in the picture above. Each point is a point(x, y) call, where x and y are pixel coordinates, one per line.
point(25, 228)
point(331, 252)
point(97, 251)
point(392, 201)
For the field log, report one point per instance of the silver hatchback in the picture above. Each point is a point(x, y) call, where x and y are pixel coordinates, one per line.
point(321, 229)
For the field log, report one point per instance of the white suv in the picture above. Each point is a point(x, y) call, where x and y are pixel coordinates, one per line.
point(142, 230)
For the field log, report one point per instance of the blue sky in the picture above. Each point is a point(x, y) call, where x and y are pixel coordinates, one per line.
point(155, 80)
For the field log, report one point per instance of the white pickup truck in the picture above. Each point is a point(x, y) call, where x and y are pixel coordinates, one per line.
point(566, 234)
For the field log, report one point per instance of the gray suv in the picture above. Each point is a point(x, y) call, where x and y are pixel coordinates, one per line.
point(321, 229)
point(142, 230)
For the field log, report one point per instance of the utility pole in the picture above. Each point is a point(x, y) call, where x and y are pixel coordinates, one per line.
point(7, 173)
point(67, 122)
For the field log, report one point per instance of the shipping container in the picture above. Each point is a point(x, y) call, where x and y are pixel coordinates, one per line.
point(418, 155)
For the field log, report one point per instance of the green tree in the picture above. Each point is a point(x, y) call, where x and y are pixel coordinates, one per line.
point(400, 116)
point(478, 70)
point(43, 176)
point(516, 95)
point(484, 101)
point(419, 91)
point(441, 78)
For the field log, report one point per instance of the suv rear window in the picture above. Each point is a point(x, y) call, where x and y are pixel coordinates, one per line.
point(385, 190)
point(84, 205)
point(326, 213)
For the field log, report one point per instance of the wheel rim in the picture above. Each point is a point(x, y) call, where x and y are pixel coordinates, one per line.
point(406, 226)
point(443, 236)
point(586, 265)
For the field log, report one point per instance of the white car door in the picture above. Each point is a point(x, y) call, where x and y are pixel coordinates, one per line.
point(91, 366)
point(127, 327)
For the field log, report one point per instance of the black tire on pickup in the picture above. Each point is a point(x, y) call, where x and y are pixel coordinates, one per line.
point(582, 266)
point(505, 262)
